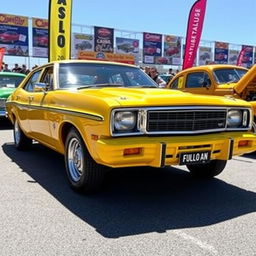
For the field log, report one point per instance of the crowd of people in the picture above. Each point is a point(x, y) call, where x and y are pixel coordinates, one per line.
point(16, 69)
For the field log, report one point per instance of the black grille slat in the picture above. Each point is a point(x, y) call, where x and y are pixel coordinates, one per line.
point(182, 121)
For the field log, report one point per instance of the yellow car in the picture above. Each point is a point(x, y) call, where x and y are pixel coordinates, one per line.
point(219, 80)
point(102, 114)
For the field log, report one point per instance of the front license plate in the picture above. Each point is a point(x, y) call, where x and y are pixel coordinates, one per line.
point(200, 157)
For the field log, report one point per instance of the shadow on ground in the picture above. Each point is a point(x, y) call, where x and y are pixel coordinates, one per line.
point(138, 200)
point(5, 124)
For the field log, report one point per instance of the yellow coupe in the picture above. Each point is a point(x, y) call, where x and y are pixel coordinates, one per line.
point(219, 80)
point(107, 114)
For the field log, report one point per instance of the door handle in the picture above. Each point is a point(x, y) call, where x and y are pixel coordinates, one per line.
point(30, 98)
point(17, 97)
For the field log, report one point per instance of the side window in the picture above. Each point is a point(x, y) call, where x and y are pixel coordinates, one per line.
point(174, 84)
point(29, 86)
point(198, 80)
point(47, 78)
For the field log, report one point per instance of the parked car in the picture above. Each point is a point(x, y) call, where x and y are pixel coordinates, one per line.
point(9, 37)
point(100, 114)
point(9, 81)
point(229, 80)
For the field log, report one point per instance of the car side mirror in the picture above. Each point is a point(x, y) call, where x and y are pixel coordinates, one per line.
point(40, 87)
point(206, 84)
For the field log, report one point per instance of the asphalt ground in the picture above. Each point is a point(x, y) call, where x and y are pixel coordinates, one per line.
point(140, 211)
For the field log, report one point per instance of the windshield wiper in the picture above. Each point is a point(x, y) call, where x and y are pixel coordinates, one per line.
point(99, 85)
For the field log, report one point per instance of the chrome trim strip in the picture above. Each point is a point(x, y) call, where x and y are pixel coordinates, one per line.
point(62, 111)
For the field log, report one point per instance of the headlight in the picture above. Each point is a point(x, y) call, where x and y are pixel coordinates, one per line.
point(125, 121)
point(234, 118)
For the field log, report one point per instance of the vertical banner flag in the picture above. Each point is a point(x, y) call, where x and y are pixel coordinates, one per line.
point(59, 29)
point(2, 51)
point(245, 56)
point(194, 31)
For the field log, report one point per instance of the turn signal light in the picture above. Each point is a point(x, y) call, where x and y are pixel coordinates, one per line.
point(132, 151)
point(243, 143)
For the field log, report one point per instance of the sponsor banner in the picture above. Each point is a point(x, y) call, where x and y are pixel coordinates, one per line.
point(254, 55)
point(59, 29)
point(103, 39)
point(2, 52)
point(14, 34)
point(82, 42)
point(172, 51)
point(152, 47)
point(221, 53)
point(245, 57)
point(106, 56)
point(205, 55)
point(128, 46)
point(232, 57)
point(194, 31)
point(40, 37)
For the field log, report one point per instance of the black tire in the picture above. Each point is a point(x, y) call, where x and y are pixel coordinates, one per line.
point(208, 170)
point(84, 174)
point(21, 141)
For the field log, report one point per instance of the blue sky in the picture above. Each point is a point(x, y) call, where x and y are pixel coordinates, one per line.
point(230, 21)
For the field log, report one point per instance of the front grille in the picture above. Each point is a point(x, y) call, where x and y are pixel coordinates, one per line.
point(181, 121)
point(2, 104)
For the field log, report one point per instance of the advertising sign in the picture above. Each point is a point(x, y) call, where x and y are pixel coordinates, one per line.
point(103, 39)
point(40, 37)
point(14, 34)
point(59, 29)
point(152, 47)
point(221, 53)
point(194, 31)
point(232, 57)
point(107, 56)
point(172, 50)
point(2, 52)
point(205, 55)
point(128, 46)
point(245, 57)
point(82, 42)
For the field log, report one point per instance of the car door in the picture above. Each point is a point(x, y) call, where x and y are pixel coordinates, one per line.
point(22, 97)
point(39, 102)
point(198, 82)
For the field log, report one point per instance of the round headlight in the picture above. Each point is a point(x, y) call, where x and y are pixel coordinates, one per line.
point(124, 121)
point(234, 118)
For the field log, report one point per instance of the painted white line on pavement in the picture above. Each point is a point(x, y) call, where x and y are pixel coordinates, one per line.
point(197, 242)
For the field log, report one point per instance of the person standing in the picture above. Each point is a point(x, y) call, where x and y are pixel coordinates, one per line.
point(155, 76)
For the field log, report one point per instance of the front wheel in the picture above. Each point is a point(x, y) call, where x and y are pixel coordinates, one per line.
point(84, 174)
point(21, 141)
point(208, 170)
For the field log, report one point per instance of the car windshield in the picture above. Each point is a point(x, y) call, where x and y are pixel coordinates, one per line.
point(10, 81)
point(228, 75)
point(85, 75)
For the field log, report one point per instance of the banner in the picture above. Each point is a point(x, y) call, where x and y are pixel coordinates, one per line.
point(221, 53)
point(107, 56)
point(40, 37)
point(152, 47)
point(128, 46)
point(82, 42)
point(59, 29)
point(103, 39)
point(205, 55)
point(2, 52)
point(232, 57)
point(245, 57)
point(194, 31)
point(14, 34)
point(172, 50)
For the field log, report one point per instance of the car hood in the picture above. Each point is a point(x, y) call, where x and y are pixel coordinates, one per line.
point(129, 97)
point(248, 79)
point(5, 92)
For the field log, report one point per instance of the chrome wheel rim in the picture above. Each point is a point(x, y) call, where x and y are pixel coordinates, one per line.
point(75, 159)
point(16, 132)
